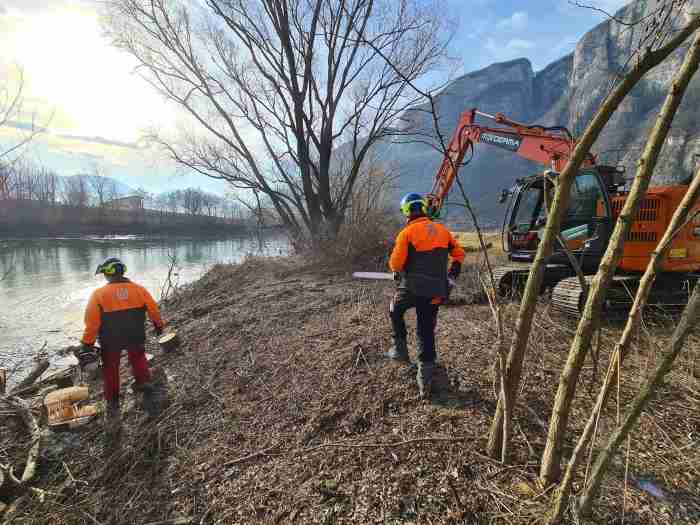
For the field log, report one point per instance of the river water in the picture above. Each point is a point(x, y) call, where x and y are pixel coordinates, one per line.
point(42, 298)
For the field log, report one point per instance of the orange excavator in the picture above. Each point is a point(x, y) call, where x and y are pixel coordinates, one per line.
point(597, 197)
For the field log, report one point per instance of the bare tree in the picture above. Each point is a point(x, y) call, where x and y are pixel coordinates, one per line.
point(46, 185)
point(160, 202)
point(173, 201)
point(649, 58)
point(291, 77)
point(99, 184)
point(11, 100)
point(111, 191)
point(679, 219)
point(74, 191)
point(192, 200)
point(549, 471)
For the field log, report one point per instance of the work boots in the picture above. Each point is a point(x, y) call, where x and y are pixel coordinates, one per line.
point(112, 423)
point(151, 402)
point(424, 378)
point(399, 351)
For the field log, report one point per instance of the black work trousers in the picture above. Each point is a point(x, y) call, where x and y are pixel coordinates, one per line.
point(426, 314)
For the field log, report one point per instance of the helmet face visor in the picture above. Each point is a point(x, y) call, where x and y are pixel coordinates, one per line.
point(111, 267)
point(406, 206)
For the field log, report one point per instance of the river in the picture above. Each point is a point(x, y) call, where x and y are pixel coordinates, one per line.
point(43, 296)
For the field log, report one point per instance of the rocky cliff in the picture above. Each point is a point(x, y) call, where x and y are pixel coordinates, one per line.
point(566, 92)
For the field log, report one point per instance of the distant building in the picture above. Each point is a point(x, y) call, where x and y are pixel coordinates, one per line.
point(131, 202)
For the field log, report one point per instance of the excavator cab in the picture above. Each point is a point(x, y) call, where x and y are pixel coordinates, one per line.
point(585, 227)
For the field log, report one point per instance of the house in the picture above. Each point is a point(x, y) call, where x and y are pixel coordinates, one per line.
point(130, 202)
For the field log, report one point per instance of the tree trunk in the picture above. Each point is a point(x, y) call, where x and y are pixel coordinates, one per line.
point(558, 423)
point(622, 347)
point(534, 282)
point(686, 324)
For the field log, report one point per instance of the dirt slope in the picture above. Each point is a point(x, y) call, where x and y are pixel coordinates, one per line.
point(283, 411)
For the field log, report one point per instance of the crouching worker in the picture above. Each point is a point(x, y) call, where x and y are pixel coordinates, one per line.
point(116, 314)
point(419, 262)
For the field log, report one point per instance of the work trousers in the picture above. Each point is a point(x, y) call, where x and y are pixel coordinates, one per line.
point(426, 314)
point(110, 368)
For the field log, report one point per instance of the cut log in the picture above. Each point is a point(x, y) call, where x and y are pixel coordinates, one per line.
point(169, 342)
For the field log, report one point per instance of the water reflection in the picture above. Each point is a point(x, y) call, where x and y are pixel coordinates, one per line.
point(43, 296)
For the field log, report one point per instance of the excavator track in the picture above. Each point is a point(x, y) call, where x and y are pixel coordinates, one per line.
point(568, 297)
point(510, 279)
point(670, 292)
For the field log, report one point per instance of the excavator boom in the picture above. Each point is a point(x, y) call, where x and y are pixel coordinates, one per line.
point(550, 147)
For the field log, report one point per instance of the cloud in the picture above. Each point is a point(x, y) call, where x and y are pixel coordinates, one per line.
point(518, 21)
point(100, 140)
point(520, 44)
point(28, 126)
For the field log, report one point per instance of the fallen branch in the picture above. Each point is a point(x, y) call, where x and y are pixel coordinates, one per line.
point(174, 521)
point(61, 378)
point(35, 374)
point(251, 456)
point(22, 408)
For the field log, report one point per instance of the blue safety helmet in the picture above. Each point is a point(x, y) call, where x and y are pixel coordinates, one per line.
point(413, 204)
point(111, 266)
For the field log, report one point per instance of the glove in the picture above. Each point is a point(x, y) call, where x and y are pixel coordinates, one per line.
point(158, 329)
point(454, 271)
point(87, 354)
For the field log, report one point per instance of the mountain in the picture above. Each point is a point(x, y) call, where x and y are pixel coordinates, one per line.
point(565, 93)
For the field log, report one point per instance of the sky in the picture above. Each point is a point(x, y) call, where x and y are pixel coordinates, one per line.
point(541, 30)
point(97, 108)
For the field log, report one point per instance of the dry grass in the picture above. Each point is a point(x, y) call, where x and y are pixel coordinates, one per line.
point(284, 411)
point(470, 242)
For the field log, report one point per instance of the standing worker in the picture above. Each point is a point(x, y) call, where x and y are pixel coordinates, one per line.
point(419, 262)
point(116, 313)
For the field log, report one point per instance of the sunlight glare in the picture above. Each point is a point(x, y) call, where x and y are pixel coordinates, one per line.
point(68, 63)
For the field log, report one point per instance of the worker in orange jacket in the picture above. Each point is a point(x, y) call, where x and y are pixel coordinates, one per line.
point(116, 314)
point(419, 262)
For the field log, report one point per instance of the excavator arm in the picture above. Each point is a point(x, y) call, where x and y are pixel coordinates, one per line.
point(548, 146)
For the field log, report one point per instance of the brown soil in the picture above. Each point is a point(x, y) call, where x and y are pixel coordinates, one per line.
point(283, 410)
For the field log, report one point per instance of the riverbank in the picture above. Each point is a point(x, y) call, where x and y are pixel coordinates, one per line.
point(33, 218)
point(283, 410)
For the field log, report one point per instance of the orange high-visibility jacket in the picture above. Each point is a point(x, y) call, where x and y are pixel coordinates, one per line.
point(420, 253)
point(116, 313)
